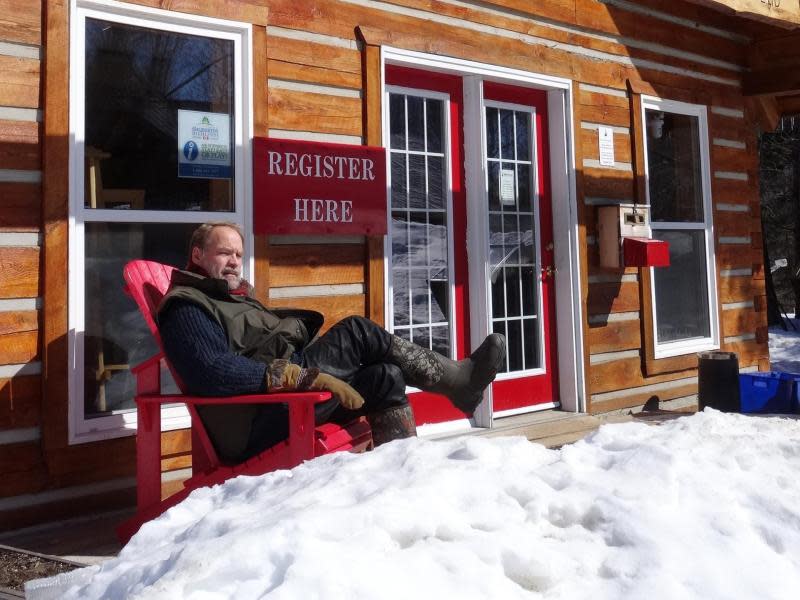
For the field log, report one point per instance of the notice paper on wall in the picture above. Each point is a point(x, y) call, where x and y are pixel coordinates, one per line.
point(606, 136)
point(204, 145)
point(507, 187)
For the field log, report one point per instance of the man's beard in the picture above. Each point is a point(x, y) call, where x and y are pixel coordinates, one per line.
point(232, 283)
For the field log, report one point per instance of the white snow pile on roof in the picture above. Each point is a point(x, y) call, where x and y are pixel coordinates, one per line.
point(702, 507)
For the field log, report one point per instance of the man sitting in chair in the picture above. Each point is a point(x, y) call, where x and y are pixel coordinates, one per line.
point(223, 342)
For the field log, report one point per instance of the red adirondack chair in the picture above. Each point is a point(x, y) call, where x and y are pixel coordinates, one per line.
point(147, 282)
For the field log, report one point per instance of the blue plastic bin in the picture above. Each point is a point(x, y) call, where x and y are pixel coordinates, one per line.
point(768, 392)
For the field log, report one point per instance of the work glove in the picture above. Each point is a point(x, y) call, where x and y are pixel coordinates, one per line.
point(343, 392)
point(284, 376)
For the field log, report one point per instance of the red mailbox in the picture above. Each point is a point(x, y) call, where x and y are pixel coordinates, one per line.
point(645, 252)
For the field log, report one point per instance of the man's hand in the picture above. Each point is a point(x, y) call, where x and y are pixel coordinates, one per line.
point(343, 392)
point(282, 376)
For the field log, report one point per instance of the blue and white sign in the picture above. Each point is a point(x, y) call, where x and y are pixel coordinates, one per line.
point(204, 145)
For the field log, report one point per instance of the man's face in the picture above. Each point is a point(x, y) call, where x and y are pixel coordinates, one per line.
point(222, 256)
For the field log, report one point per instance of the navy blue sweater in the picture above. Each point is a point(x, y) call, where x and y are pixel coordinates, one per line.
point(197, 347)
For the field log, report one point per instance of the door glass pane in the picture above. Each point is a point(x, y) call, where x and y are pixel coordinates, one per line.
point(159, 132)
point(513, 248)
point(420, 229)
point(682, 288)
point(507, 140)
point(399, 188)
point(673, 164)
point(434, 125)
point(397, 122)
point(116, 336)
point(492, 133)
point(416, 123)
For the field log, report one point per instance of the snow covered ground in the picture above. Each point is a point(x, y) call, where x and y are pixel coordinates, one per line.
point(703, 507)
point(784, 347)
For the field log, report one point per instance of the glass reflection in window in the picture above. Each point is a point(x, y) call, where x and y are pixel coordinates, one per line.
point(140, 85)
point(116, 336)
point(512, 243)
point(419, 229)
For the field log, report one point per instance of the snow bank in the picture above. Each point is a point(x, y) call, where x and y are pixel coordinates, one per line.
point(784, 347)
point(706, 506)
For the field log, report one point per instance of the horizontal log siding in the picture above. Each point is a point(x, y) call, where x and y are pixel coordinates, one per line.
point(21, 461)
point(300, 60)
point(19, 82)
point(19, 145)
point(20, 208)
point(20, 402)
point(314, 44)
point(21, 21)
point(614, 376)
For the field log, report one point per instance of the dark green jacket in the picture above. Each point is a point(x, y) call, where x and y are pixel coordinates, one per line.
point(253, 331)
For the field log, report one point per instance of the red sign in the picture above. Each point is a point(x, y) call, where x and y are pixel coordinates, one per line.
point(312, 187)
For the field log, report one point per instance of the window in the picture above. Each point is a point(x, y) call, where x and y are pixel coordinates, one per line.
point(159, 121)
point(677, 167)
point(420, 228)
point(513, 256)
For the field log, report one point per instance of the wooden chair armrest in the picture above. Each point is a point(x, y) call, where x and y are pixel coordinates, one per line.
point(313, 397)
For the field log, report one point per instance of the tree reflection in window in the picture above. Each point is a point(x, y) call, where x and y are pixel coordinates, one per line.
point(420, 226)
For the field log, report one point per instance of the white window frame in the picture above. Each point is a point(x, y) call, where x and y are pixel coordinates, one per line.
point(445, 98)
point(712, 341)
point(530, 110)
point(122, 423)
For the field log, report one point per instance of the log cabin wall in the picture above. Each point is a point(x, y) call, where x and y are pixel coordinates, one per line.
point(316, 69)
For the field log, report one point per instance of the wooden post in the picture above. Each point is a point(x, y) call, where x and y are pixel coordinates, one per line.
point(372, 114)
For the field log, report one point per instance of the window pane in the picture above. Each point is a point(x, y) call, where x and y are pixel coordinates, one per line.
point(681, 289)
point(419, 296)
point(420, 238)
point(399, 188)
point(400, 289)
point(512, 243)
point(492, 134)
point(416, 181)
point(531, 340)
point(507, 134)
point(524, 188)
point(397, 121)
point(116, 336)
point(416, 123)
point(515, 345)
point(435, 131)
point(159, 119)
point(494, 184)
point(523, 135)
point(673, 165)
point(435, 182)
point(440, 339)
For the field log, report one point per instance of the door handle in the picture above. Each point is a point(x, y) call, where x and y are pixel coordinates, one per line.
point(549, 271)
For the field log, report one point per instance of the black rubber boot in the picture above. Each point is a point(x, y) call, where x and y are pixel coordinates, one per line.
point(394, 423)
point(462, 382)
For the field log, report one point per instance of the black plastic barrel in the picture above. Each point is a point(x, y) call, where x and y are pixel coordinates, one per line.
point(718, 381)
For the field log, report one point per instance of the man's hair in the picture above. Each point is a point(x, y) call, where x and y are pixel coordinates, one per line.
point(202, 233)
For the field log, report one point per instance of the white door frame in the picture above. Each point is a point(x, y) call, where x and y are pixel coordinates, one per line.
point(569, 330)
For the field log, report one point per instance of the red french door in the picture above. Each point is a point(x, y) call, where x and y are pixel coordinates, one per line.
point(429, 274)
point(520, 262)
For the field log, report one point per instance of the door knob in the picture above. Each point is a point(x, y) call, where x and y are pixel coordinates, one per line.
point(549, 271)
